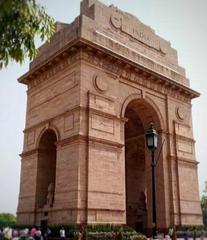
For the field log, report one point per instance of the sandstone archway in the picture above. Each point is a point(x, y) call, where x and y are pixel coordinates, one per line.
point(138, 113)
point(46, 169)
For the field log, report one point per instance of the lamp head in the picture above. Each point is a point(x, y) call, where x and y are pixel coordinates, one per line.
point(151, 137)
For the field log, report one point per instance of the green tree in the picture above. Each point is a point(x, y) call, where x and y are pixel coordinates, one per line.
point(7, 219)
point(204, 204)
point(20, 22)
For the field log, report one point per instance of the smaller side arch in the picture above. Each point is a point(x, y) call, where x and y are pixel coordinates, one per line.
point(46, 166)
point(46, 128)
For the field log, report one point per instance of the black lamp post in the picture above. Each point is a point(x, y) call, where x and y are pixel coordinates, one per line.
point(152, 141)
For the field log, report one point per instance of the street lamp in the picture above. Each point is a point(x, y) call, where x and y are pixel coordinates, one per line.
point(152, 141)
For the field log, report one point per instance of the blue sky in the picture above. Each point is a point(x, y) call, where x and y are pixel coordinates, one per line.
point(182, 22)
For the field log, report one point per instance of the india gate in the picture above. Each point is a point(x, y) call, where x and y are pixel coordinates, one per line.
point(92, 92)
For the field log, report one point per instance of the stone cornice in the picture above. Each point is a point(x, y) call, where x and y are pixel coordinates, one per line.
point(90, 139)
point(111, 44)
point(187, 162)
point(29, 153)
point(54, 64)
point(183, 160)
point(74, 139)
point(131, 71)
point(120, 66)
point(190, 214)
point(104, 114)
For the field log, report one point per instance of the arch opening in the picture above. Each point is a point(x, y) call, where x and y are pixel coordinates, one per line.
point(46, 169)
point(137, 165)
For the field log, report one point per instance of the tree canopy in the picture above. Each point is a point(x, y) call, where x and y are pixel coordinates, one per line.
point(20, 22)
point(204, 204)
point(7, 219)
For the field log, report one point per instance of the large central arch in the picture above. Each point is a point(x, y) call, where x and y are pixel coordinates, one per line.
point(138, 113)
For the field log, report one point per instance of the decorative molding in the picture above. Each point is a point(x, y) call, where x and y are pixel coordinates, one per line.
point(57, 88)
point(186, 200)
point(185, 146)
point(68, 122)
point(180, 113)
point(72, 110)
point(111, 65)
point(85, 139)
point(48, 70)
point(145, 78)
point(101, 83)
point(31, 137)
point(27, 196)
point(104, 114)
point(144, 35)
point(109, 43)
point(191, 214)
point(109, 143)
point(185, 139)
point(28, 153)
point(115, 65)
point(101, 123)
point(26, 212)
point(155, 84)
point(108, 193)
point(43, 123)
point(103, 104)
point(72, 140)
point(183, 162)
point(183, 133)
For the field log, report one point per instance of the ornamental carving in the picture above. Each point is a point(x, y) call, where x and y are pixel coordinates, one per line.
point(180, 113)
point(138, 31)
point(52, 70)
point(118, 47)
point(101, 83)
point(118, 70)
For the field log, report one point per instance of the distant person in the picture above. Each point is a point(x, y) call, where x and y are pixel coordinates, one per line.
point(194, 233)
point(24, 233)
point(33, 232)
point(7, 233)
point(62, 234)
point(167, 237)
point(47, 233)
point(38, 234)
point(171, 232)
point(1, 234)
point(203, 234)
point(15, 233)
point(186, 235)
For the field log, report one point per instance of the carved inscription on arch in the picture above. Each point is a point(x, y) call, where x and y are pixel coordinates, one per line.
point(185, 146)
point(101, 123)
point(138, 31)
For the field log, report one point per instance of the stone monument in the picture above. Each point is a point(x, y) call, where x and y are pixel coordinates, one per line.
point(92, 92)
